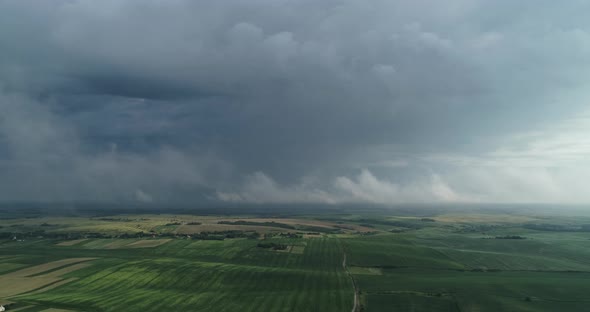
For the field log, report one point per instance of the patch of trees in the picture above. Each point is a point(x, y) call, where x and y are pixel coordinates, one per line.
point(290, 235)
point(207, 236)
point(253, 223)
point(510, 237)
point(311, 228)
point(221, 235)
point(404, 224)
point(9, 235)
point(194, 223)
point(273, 246)
point(320, 229)
point(214, 235)
point(74, 235)
point(366, 233)
point(476, 228)
point(115, 219)
point(5, 235)
point(557, 227)
point(284, 235)
point(427, 220)
point(397, 231)
point(129, 235)
point(172, 224)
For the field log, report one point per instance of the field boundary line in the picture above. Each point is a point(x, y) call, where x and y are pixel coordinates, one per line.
point(356, 305)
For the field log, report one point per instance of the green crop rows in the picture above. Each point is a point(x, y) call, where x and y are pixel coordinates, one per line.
point(437, 260)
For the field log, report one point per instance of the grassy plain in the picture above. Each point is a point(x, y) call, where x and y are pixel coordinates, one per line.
point(418, 259)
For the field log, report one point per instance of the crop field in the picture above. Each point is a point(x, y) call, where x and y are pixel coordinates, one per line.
point(473, 263)
point(332, 260)
point(477, 291)
point(39, 276)
point(192, 276)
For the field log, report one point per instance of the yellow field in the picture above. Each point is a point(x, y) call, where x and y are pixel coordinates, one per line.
point(21, 281)
point(145, 243)
point(125, 243)
point(484, 218)
point(66, 270)
point(21, 308)
point(286, 221)
point(72, 242)
point(8, 266)
point(116, 244)
point(45, 267)
point(167, 223)
point(55, 285)
point(19, 285)
point(214, 227)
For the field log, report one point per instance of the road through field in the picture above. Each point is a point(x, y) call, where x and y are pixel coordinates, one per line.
point(355, 306)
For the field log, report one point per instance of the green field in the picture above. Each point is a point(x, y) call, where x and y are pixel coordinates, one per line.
point(196, 276)
point(394, 260)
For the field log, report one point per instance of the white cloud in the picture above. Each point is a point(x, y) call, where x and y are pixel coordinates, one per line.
point(364, 188)
point(368, 188)
point(550, 165)
point(143, 197)
point(259, 188)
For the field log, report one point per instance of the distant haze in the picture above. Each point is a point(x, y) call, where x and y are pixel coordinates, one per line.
point(295, 101)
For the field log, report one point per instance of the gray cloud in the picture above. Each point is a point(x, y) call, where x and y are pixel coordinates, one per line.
point(242, 101)
point(44, 158)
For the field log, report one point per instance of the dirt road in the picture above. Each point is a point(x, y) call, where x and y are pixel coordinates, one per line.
point(355, 306)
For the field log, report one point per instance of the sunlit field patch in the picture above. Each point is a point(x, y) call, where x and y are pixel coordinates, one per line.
point(39, 276)
point(71, 242)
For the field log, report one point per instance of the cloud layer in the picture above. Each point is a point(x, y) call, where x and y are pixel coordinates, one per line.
point(294, 101)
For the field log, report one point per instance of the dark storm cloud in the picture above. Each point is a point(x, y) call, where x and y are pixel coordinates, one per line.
point(280, 101)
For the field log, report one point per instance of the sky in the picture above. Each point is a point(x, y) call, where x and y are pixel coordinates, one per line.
point(295, 101)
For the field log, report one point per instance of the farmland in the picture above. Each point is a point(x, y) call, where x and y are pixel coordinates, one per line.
point(420, 259)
